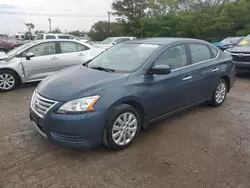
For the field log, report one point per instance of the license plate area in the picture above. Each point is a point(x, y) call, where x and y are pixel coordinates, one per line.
point(37, 120)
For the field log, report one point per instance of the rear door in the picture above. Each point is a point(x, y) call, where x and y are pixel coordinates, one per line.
point(44, 63)
point(205, 70)
point(71, 53)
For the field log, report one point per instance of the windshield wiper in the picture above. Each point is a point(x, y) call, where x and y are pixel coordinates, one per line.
point(102, 69)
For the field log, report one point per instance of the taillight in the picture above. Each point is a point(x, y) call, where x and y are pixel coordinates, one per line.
point(12, 45)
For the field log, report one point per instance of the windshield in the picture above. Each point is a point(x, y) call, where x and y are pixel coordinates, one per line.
point(19, 49)
point(230, 40)
point(108, 40)
point(245, 42)
point(124, 57)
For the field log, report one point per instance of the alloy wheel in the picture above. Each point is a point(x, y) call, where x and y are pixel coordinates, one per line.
point(124, 129)
point(220, 93)
point(7, 81)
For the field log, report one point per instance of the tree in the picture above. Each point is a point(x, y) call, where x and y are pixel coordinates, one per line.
point(39, 31)
point(28, 34)
point(76, 33)
point(56, 30)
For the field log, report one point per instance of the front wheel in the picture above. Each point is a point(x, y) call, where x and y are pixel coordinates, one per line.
point(220, 93)
point(8, 80)
point(122, 127)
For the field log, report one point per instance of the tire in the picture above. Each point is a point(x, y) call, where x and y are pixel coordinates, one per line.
point(9, 80)
point(114, 136)
point(218, 99)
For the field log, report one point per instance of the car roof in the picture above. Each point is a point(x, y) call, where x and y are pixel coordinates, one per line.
point(58, 34)
point(61, 40)
point(55, 40)
point(164, 40)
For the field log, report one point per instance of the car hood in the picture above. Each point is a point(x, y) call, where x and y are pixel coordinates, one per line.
point(239, 49)
point(77, 82)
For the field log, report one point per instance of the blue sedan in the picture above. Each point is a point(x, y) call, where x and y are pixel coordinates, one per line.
point(110, 98)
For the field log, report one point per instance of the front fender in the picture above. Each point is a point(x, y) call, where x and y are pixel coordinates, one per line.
point(15, 66)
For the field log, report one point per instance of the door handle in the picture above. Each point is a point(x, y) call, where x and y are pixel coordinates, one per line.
point(80, 54)
point(215, 69)
point(187, 78)
point(54, 58)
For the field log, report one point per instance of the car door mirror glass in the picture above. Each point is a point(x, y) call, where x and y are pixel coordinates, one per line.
point(160, 69)
point(29, 55)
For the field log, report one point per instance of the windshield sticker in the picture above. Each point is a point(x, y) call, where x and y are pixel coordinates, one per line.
point(243, 42)
point(148, 45)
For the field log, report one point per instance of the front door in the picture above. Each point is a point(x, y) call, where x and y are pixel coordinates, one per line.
point(44, 63)
point(171, 92)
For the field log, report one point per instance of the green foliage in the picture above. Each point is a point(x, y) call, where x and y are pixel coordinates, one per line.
point(56, 30)
point(210, 20)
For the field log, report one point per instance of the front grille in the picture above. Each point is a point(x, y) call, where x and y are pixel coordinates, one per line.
point(241, 57)
point(41, 105)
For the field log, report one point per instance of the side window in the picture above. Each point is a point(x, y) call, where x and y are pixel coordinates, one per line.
point(199, 52)
point(125, 39)
point(63, 37)
point(81, 47)
point(119, 40)
point(214, 52)
point(50, 37)
point(47, 48)
point(68, 47)
point(175, 57)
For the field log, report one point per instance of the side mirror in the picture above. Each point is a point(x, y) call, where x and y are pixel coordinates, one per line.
point(114, 43)
point(29, 55)
point(160, 69)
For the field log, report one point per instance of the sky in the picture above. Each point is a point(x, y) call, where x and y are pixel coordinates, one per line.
point(67, 15)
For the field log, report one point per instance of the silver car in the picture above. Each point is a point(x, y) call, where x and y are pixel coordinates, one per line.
point(36, 60)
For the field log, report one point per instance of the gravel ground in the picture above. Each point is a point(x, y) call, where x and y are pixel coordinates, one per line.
point(203, 147)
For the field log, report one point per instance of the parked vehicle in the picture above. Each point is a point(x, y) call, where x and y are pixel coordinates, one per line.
point(241, 55)
point(44, 36)
point(111, 41)
point(36, 60)
point(6, 46)
point(228, 42)
point(107, 100)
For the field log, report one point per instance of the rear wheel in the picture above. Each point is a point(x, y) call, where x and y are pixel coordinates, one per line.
point(8, 80)
point(220, 93)
point(122, 128)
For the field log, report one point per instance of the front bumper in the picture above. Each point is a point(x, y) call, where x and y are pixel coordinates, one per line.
point(242, 66)
point(75, 131)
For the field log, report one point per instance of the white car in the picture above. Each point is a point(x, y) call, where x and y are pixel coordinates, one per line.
point(41, 58)
point(111, 41)
point(44, 36)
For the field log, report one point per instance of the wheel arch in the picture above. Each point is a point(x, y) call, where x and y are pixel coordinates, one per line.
point(227, 80)
point(135, 103)
point(15, 72)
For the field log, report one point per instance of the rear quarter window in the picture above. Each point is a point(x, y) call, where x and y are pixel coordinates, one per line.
point(214, 52)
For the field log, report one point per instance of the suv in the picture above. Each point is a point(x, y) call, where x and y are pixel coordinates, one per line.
point(43, 36)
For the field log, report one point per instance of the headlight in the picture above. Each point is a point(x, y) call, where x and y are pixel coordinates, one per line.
point(79, 106)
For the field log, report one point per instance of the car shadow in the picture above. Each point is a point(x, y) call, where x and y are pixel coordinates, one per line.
point(243, 75)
